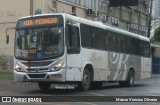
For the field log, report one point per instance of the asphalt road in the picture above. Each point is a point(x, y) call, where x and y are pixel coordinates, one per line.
point(147, 87)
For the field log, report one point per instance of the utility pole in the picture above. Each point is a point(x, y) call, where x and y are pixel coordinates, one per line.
point(31, 7)
point(150, 19)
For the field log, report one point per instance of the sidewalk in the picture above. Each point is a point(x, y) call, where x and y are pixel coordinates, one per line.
point(155, 76)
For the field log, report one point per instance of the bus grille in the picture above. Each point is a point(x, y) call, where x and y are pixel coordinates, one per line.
point(37, 70)
point(36, 75)
point(33, 64)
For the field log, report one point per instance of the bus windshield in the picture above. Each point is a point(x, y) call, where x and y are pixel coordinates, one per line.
point(39, 43)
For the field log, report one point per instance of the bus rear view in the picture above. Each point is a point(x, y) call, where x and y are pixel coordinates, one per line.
point(39, 50)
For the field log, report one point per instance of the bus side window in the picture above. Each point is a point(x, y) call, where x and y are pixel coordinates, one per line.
point(111, 41)
point(72, 39)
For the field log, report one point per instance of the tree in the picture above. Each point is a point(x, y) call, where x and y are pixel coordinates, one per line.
point(157, 34)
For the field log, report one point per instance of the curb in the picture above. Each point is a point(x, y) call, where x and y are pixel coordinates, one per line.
point(155, 76)
point(12, 82)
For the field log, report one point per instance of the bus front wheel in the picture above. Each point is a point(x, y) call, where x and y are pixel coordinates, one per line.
point(44, 86)
point(86, 82)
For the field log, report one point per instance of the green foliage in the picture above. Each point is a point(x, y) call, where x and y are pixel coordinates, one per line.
point(6, 75)
point(157, 34)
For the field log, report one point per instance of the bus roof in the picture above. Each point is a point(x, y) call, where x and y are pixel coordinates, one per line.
point(94, 23)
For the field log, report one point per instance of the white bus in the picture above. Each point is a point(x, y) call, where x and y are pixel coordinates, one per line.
point(63, 48)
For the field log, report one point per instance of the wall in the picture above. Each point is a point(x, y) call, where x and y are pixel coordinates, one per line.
point(9, 14)
point(10, 11)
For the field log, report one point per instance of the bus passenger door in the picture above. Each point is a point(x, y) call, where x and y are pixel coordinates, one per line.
point(73, 72)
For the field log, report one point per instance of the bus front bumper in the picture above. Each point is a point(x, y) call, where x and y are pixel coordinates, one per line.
point(58, 76)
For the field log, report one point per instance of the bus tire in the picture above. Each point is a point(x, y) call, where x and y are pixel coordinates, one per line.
point(130, 80)
point(44, 86)
point(85, 84)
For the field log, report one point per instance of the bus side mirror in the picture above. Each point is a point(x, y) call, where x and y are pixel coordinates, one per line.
point(7, 35)
point(7, 39)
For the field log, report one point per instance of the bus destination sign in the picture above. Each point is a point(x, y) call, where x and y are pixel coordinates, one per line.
point(41, 21)
point(38, 21)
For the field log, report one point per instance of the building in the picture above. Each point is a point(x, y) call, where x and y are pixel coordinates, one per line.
point(133, 18)
point(156, 8)
point(156, 15)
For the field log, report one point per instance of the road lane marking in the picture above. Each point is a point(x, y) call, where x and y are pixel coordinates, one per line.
point(59, 104)
point(153, 103)
point(96, 94)
point(55, 103)
point(152, 94)
point(151, 82)
point(89, 103)
point(148, 82)
point(4, 92)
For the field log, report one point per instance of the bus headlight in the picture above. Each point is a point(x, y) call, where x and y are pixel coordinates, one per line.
point(18, 68)
point(58, 66)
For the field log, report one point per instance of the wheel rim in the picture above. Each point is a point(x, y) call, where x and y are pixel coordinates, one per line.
point(86, 79)
point(131, 80)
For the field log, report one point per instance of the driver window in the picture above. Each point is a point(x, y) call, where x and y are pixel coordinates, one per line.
point(73, 41)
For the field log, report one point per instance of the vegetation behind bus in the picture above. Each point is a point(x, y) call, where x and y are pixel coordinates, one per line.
point(6, 75)
point(157, 34)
